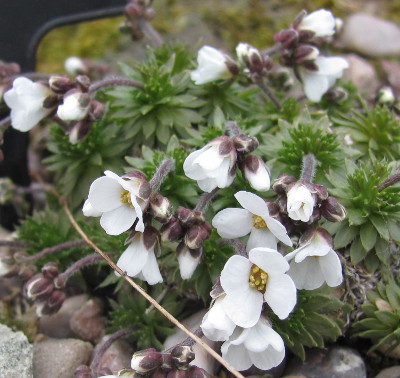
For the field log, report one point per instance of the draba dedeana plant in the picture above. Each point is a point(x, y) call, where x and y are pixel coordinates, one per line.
point(206, 184)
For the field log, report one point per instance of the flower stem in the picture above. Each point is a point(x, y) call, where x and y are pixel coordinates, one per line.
point(13, 243)
point(391, 180)
point(167, 165)
point(309, 168)
point(56, 248)
point(233, 129)
point(114, 82)
point(95, 365)
point(205, 200)
point(260, 82)
point(171, 318)
point(75, 267)
point(238, 245)
point(152, 33)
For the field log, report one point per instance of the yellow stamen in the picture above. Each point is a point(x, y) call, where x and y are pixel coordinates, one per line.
point(126, 198)
point(258, 278)
point(258, 222)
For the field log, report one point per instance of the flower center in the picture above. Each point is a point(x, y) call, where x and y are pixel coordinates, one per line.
point(126, 198)
point(258, 222)
point(258, 278)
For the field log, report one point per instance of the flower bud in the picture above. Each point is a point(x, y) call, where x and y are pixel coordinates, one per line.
point(75, 106)
point(79, 131)
point(96, 110)
point(245, 144)
point(282, 182)
point(38, 287)
point(188, 260)
point(144, 186)
point(83, 82)
point(50, 270)
point(196, 235)
point(336, 95)
point(300, 201)
point(332, 210)
point(386, 96)
point(53, 303)
point(315, 216)
point(184, 214)
point(50, 101)
point(146, 360)
point(196, 372)
point(75, 66)
point(167, 364)
point(60, 84)
point(304, 53)
point(171, 231)
point(150, 237)
point(256, 173)
point(250, 57)
point(182, 355)
point(83, 371)
point(287, 37)
point(160, 208)
point(321, 192)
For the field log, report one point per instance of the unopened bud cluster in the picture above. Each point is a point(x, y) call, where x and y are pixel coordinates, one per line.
point(43, 290)
point(136, 11)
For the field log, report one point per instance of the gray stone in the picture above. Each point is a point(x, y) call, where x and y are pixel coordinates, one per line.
point(57, 325)
point(59, 358)
point(87, 322)
point(336, 362)
point(15, 354)
point(371, 36)
point(392, 72)
point(362, 74)
point(117, 357)
point(392, 372)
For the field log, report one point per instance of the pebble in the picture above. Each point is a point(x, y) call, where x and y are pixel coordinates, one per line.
point(391, 372)
point(57, 325)
point(117, 357)
point(371, 36)
point(87, 322)
point(362, 74)
point(58, 358)
point(15, 354)
point(335, 362)
point(392, 73)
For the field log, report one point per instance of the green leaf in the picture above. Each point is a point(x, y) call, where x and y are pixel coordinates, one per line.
point(381, 225)
point(388, 318)
point(344, 235)
point(393, 295)
point(368, 236)
point(371, 262)
point(357, 252)
point(383, 251)
point(394, 230)
point(356, 217)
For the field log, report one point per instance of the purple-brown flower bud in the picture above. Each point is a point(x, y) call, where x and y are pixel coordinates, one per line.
point(196, 235)
point(245, 144)
point(26, 272)
point(287, 37)
point(167, 364)
point(50, 270)
point(60, 84)
point(282, 182)
point(83, 82)
point(184, 214)
point(146, 360)
point(79, 130)
point(196, 372)
point(332, 210)
point(256, 173)
point(144, 186)
point(305, 53)
point(172, 230)
point(182, 355)
point(315, 216)
point(96, 111)
point(38, 287)
point(51, 101)
point(53, 303)
point(321, 192)
point(160, 208)
point(150, 237)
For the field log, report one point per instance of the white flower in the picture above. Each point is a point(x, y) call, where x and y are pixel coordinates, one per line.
point(25, 99)
point(188, 260)
point(212, 66)
point(212, 166)
point(315, 262)
point(119, 200)
point(245, 53)
point(321, 22)
point(216, 324)
point(75, 65)
point(249, 282)
point(316, 83)
point(259, 345)
point(75, 107)
point(300, 203)
point(139, 260)
point(256, 173)
point(234, 223)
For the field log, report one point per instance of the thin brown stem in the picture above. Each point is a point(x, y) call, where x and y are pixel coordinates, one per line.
point(95, 365)
point(309, 167)
point(393, 179)
point(114, 82)
point(152, 33)
point(205, 200)
point(171, 318)
point(260, 82)
point(167, 165)
point(14, 243)
point(56, 248)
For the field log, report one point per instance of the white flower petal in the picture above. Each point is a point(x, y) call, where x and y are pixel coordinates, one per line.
point(331, 269)
point(134, 258)
point(279, 230)
point(267, 359)
point(209, 159)
point(280, 294)
point(255, 204)
point(235, 275)
point(119, 220)
point(151, 271)
point(315, 85)
point(207, 185)
point(237, 356)
point(261, 238)
point(321, 22)
point(71, 109)
point(105, 194)
point(331, 66)
point(187, 263)
point(307, 274)
point(88, 210)
point(269, 260)
point(233, 223)
point(259, 180)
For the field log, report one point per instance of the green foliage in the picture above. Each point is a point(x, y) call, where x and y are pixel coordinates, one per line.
point(149, 328)
point(317, 317)
point(372, 222)
point(77, 165)
point(381, 323)
point(291, 142)
point(164, 106)
point(376, 131)
point(49, 228)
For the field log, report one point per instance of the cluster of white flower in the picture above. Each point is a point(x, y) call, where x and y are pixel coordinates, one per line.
point(317, 73)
